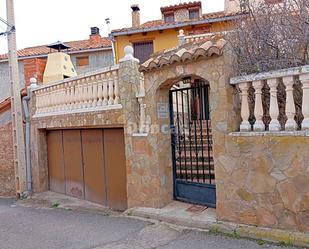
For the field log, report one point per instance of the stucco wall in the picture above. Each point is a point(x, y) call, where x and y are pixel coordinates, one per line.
point(5, 87)
point(97, 60)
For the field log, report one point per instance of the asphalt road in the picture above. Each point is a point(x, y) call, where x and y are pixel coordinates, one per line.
point(51, 228)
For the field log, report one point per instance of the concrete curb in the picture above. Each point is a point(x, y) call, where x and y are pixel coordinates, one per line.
point(231, 229)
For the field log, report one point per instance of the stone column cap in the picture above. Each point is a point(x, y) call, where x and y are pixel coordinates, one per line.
point(129, 55)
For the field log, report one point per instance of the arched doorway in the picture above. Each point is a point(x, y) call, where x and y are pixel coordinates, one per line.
point(192, 156)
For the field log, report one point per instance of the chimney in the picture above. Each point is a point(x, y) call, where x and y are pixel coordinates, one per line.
point(136, 20)
point(59, 65)
point(95, 36)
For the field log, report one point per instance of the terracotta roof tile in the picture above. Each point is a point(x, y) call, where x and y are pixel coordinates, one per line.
point(189, 51)
point(160, 24)
point(102, 42)
point(181, 6)
point(5, 104)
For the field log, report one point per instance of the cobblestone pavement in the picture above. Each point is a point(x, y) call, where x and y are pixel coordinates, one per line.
point(50, 228)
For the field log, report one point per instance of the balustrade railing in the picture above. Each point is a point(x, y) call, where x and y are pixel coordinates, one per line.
point(91, 92)
point(264, 89)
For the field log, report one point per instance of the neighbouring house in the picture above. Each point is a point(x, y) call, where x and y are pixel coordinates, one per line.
point(156, 35)
point(86, 56)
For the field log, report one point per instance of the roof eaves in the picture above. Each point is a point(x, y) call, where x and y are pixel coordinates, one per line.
point(68, 52)
point(178, 25)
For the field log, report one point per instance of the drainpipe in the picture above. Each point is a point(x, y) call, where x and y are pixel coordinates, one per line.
point(25, 101)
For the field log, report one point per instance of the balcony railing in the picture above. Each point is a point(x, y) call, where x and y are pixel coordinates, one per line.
point(262, 113)
point(90, 92)
point(199, 37)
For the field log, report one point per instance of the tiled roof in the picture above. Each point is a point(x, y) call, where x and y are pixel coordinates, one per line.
point(160, 24)
point(101, 42)
point(5, 104)
point(181, 6)
point(190, 51)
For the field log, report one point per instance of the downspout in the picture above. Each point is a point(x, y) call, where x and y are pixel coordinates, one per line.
point(25, 101)
point(27, 141)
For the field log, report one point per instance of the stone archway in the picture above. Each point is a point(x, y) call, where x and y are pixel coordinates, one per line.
point(158, 81)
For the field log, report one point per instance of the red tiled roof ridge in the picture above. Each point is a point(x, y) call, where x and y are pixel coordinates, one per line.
point(181, 5)
point(78, 45)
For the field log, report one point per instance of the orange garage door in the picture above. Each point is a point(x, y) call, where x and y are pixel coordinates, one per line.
point(88, 164)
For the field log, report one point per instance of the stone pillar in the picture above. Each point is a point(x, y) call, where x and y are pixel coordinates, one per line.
point(273, 107)
point(304, 78)
point(245, 125)
point(181, 37)
point(258, 107)
point(135, 147)
point(290, 107)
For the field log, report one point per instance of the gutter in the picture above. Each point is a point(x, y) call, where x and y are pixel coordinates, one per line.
point(178, 25)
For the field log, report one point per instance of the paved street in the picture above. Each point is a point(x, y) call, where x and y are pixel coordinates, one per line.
point(49, 228)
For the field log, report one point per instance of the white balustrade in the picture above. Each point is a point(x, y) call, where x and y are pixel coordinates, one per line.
point(289, 77)
point(304, 78)
point(258, 107)
point(245, 125)
point(290, 107)
point(273, 106)
point(90, 93)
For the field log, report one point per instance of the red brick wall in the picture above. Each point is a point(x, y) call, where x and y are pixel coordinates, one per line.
point(34, 68)
point(7, 174)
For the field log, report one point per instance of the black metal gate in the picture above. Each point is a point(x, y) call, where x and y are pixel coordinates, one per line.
point(193, 165)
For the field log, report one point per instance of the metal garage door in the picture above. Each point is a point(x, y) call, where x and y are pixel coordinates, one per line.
point(88, 164)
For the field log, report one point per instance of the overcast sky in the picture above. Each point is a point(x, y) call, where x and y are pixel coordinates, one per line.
point(40, 22)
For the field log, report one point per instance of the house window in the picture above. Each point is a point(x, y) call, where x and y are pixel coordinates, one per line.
point(82, 61)
point(143, 50)
point(194, 14)
point(169, 17)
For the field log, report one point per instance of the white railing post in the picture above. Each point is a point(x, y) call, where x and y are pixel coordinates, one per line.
point(110, 89)
point(100, 89)
point(105, 93)
point(273, 107)
point(116, 87)
point(304, 78)
point(258, 107)
point(290, 106)
point(89, 92)
point(245, 125)
point(94, 97)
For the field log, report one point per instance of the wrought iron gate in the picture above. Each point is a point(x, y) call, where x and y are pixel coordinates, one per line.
point(193, 165)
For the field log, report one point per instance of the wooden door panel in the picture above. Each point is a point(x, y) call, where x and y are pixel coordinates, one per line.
point(73, 163)
point(94, 173)
point(115, 168)
point(55, 161)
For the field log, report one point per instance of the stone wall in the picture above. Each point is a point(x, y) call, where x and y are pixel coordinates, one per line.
point(263, 181)
point(7, 173)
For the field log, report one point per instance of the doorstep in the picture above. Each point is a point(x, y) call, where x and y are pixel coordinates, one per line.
point(178, 213)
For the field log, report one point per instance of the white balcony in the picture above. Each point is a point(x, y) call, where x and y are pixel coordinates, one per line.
point(95, 91)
